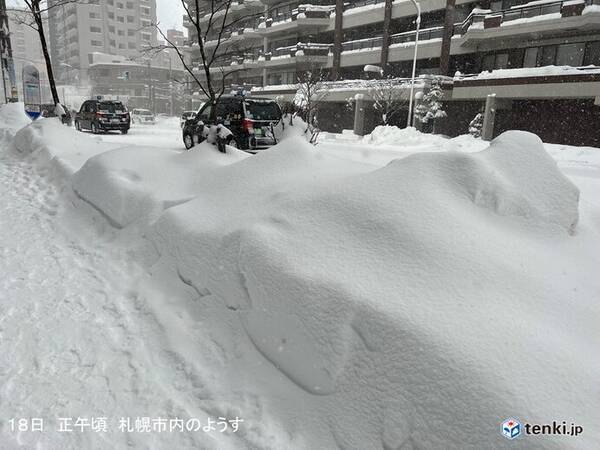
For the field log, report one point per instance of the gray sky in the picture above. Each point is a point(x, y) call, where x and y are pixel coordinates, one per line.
point(170, 14)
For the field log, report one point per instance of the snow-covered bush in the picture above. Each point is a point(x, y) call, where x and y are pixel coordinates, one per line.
point(476, 125)
point(430, 107)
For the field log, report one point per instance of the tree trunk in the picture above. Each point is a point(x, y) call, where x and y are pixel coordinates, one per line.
point(43, 43)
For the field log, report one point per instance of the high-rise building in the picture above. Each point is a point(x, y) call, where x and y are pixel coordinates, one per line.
point(116, 27)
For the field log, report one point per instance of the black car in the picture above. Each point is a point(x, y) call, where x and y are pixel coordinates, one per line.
point(103, 115)
point(251, 120)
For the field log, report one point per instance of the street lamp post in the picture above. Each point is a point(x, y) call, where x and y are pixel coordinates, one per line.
point(414, 67)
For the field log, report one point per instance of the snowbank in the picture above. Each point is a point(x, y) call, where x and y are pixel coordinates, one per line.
point(139, 183)
point(416, 304)
point(394, 289)
point(60, 147)
point(12, 118)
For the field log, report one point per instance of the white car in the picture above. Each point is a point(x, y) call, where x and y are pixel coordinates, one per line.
point(142, 116)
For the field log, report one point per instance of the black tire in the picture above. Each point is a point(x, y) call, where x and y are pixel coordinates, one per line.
point(232, 142)
point(188, 141)
point(125, 131)
point(94, 128)
point(77, 125)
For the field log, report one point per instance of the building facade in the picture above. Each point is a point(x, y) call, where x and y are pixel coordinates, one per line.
point(458, 38)
point(153, 83)
point(116, 27)
point(9, 89)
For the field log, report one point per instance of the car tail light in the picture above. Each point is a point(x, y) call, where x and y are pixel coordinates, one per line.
point(248, 125)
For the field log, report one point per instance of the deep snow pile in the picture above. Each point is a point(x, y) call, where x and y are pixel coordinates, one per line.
point(412, 305)
point(12, 118)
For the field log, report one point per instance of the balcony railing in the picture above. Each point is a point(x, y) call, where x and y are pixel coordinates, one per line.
point(399, 38)
point(306, 49)
point(520, 12)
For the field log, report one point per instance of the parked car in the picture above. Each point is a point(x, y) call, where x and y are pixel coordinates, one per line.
point(103, 115)
point(251, 120)
point(142, 116)
point(186, 116)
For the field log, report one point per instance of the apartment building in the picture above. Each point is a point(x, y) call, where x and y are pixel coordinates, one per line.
point(473, 42)
point(116, 27)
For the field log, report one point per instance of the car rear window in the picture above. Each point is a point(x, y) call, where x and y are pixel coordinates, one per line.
point(111, 107)
point(258, 110)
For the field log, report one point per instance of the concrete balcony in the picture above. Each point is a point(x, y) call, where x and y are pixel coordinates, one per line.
point(236, 36)
point(364, 12)
point(532, 21)
point(368, 51)
point(237, 9)
point(298, 54)
point(303, 18)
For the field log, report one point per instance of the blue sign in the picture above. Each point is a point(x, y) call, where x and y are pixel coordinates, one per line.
point(32, 92)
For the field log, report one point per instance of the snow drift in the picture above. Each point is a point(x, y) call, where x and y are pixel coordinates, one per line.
point(392, 289)
point(414, 305)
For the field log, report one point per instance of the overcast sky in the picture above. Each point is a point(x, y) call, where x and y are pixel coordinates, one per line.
point(170, 14)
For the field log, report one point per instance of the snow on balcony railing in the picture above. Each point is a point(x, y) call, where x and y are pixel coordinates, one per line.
point(525, 11)
point(399, 38)
point(302, 49)
point(302, 12)
point(545, 71)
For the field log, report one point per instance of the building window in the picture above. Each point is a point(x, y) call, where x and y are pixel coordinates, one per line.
point(96, 43)
point(570, 54)
point(501, 61)
point(130, 32)
point(530, 59)
point(547, 55)
point(111, 15)
point(95, 30)
point(487, 64)
point(130, 19)
point(131, 45)
point(592, 54)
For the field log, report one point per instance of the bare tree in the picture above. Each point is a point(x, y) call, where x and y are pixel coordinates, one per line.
point(311, 93)
point(34, 16)
point(211, 21)
point(387, 96)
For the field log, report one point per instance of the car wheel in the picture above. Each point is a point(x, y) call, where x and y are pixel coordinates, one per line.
point(232, 142)
point(188, 141)
point(77, 126)
point(124, 130)
point(94, 128)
